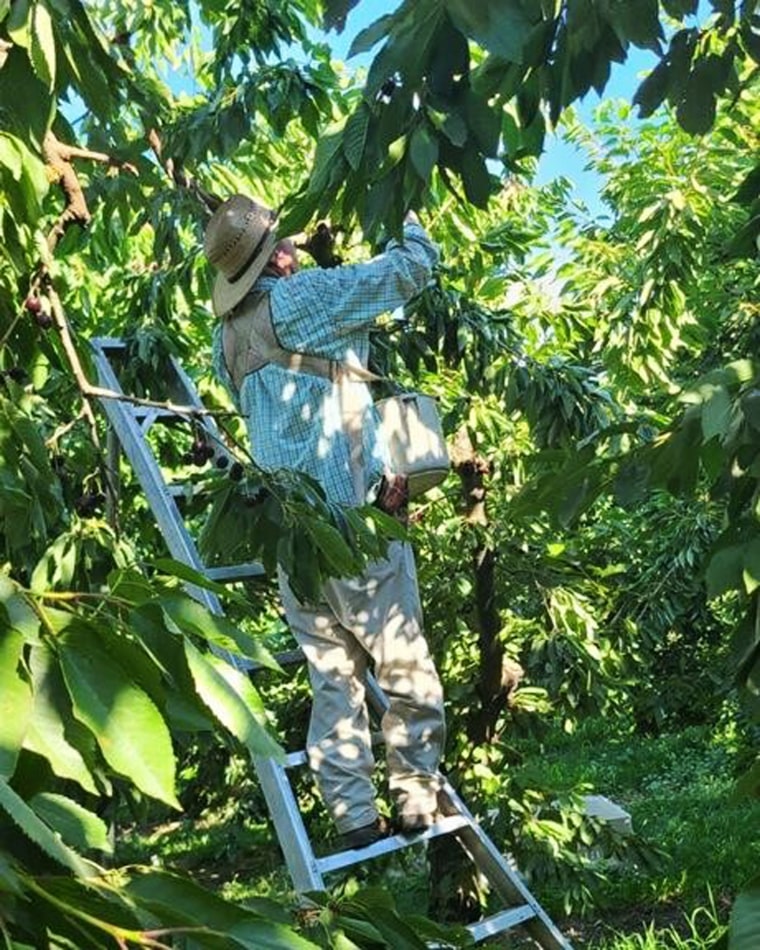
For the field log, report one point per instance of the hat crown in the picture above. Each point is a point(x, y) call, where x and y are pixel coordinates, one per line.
point(236, 229)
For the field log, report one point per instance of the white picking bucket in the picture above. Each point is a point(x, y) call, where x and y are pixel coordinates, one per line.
point(411, 428)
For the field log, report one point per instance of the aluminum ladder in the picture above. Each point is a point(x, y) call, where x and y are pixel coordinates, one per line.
point(129, 426)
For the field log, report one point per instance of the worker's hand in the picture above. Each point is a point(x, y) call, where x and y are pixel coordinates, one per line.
point(321, 246)
point(411, 217)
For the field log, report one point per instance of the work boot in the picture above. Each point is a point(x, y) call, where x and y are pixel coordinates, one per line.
point(414, 824)
point(366, 835)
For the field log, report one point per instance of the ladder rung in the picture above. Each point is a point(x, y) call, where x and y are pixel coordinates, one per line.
point(344, 859)
point(498, 923)
point(234, 572)
point(294, 759)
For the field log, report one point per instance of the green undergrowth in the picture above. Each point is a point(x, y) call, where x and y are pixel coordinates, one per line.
point(678, 788)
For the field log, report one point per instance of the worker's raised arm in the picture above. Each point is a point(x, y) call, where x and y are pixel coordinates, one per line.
point(354, 295)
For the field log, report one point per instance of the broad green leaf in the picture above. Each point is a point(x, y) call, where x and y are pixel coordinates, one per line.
point(749, 189)
point(423, 151)
point(30, 115)
point(37, 831)
point(484, 122)
point(476, 178)
point(725, 570)
point(680, 8)
point(10, 155)
point(355, 135)
point(653, 89)
point(500, 26)
point(232, 699)
point(10, 882)
point(339, 557)
point(180, 902)
point(751, 571)
point(744, 928)
point(130, 731)
point(371, 35)
point(191, 617)
point(18, 23)
point(42, 46)
point(79, 828)
point(716, 414)
point(184, 572)
point(638, 22)
point(336, 12)
point(15, 701)
point(47, 734)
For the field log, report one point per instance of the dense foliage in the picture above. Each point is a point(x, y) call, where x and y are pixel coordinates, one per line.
point(598, 537)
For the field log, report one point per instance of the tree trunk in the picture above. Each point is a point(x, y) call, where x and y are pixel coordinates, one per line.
point(455, 890)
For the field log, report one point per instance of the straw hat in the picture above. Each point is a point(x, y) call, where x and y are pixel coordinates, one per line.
point(239, 241)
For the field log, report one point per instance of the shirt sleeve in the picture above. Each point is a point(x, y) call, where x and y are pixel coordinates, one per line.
point(320, 304)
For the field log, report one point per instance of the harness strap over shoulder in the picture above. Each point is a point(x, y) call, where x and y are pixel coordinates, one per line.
point(249, 342)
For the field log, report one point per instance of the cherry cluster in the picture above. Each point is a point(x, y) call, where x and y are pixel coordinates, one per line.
point(42, 318)
point(200, 452)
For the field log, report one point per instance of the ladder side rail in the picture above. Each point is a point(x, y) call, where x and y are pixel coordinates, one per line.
point(505, 880)
point(289, 826)
point(484, 853)
point(167, 514)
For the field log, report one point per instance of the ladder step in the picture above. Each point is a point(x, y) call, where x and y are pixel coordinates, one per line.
point(344, 859)
point(295, 759)
point(234, 572)
point(499, 923)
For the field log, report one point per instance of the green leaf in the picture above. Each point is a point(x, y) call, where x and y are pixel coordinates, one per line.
point(725, 570)
point(500, 26)
point(37, 831)
point(232, 699)
point(10, 155)
point(716, 414)
point(638, 22)
point(749, 188)
point(18, 24)
point(696, 110)
point(751, 572)
point(371, 35)
point(42, 46)
point(476, 178)
point(183, 571)
point(340, 559)
point(180, 902)
point(191, 617)
point(355, 135)
point(680, 8)
point(336, 12)
point(15, 701)
point(653, 90)
point(47, 734)
point(130, 731)
point(30, 115)
point(744, 927)
point(455, 129)
point(484, 122)
point(79, 828)
point(423, 152)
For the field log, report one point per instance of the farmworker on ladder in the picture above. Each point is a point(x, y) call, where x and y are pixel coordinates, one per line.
point(327, 428)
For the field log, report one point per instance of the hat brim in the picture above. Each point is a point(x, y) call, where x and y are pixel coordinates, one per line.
point(228, 293)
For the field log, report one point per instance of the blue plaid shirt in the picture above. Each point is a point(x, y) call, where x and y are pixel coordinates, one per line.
point(294, 419)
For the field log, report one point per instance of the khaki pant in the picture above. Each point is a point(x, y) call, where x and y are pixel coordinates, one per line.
point(377, 616)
